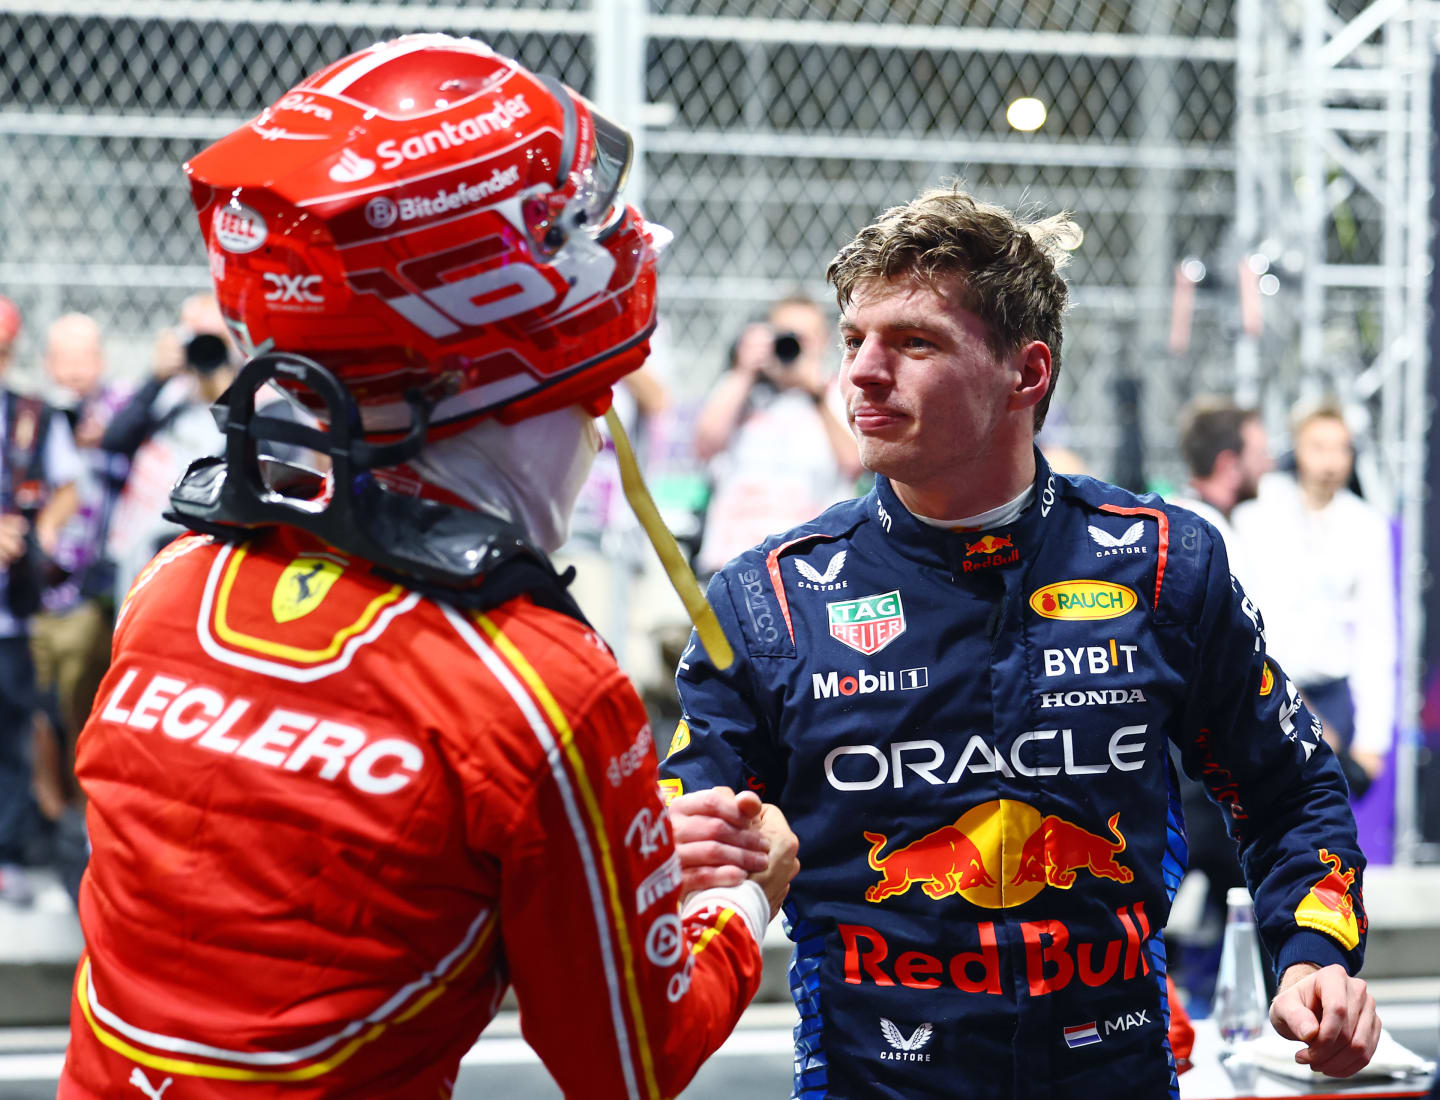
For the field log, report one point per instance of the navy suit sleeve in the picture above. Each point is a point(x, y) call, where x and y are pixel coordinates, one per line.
point(724, 738)
point(1255, 746)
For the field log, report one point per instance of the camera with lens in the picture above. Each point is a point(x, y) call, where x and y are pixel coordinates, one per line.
point(206, 353)
point(787, 348)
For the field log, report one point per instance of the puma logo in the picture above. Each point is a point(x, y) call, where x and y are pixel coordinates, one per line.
point(141, 1082)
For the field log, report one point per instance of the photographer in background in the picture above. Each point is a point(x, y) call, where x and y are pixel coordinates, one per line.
point(774, 431)
point(164, 427)
point(38, 470)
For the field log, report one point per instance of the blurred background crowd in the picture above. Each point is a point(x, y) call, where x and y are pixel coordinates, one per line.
point(1250, 332)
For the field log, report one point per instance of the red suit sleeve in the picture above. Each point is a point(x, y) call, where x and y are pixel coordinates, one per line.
point(620, 993)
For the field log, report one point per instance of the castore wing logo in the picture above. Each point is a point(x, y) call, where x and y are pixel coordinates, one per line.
point(1129, 538)
point(832, 570)
point(896, 1038)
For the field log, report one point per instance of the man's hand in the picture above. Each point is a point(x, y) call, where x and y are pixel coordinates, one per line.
point(755, 351)
point(1372, 762)
point(1330, 1012)
point(12, 538)
point(784, 845)
point(718, 836)
point(167, 355)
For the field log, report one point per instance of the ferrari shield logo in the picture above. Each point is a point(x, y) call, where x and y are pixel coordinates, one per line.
point(868, 624)
point(303, 586)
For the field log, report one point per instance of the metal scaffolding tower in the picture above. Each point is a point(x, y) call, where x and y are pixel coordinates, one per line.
point(1333, 178)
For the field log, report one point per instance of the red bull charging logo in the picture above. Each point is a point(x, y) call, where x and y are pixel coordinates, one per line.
point(997, 855)
point(993, 546)
point(1328, 907)
point(990, 544)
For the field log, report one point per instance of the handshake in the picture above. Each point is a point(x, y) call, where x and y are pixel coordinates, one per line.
point(723, 838)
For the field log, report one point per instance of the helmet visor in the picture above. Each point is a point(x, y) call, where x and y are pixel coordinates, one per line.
point(602, 178)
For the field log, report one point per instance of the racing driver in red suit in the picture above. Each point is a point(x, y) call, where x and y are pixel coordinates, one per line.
point(360, 765)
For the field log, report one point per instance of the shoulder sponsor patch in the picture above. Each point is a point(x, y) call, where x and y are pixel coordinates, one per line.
point(320, 612)
point(670, 790)
point(303, 585)
point(828, 580)
point(761, 607)
point(680, 739)
point(1083, 599)
point(868, 624)
point(1328, 907)
point(1124, 543)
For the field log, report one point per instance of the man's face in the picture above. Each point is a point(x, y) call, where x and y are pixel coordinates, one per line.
point(924, 392)
point(1322, 455)
point(1254, 459)
point(75, 361)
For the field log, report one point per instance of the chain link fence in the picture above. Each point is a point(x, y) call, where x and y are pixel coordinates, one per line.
point(773, 129)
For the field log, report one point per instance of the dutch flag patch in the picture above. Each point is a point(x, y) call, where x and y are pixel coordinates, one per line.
point(1082, 1035)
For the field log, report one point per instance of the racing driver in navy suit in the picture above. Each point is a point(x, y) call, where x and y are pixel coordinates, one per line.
point(960, 690)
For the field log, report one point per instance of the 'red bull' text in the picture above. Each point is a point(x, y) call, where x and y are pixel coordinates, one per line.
point(1052, 960)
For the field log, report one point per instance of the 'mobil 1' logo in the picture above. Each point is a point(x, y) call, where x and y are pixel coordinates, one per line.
point(1083, 600)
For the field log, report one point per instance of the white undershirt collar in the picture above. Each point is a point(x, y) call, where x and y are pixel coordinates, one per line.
point(1001, 516)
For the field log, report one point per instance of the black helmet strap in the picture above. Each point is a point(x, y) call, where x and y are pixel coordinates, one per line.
point(438, 549)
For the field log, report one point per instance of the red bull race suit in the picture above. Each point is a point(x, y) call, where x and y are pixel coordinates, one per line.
point(968, 732)
point(333, 821)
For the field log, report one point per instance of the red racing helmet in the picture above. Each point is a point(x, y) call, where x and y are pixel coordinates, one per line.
point(429, 215)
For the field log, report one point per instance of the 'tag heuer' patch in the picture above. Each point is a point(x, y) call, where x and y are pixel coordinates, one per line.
point(868, 624)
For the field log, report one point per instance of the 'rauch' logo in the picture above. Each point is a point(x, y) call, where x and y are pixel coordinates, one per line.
point(1083, 600)
point(868, 624)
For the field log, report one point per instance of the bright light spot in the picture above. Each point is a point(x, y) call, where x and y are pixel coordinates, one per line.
point(1259, 262)
point(1193, 268)
point(407, 104)
point(1026, 114)
point(1269, 284)
point(442, 103)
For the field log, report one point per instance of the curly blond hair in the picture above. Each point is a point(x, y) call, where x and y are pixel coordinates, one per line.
point(1009, 268)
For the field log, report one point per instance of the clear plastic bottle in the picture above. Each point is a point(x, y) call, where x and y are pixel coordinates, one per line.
point(1240, 1009)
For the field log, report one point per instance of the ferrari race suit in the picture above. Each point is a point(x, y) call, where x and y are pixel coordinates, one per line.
point(333, 821)
point(967, 731)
